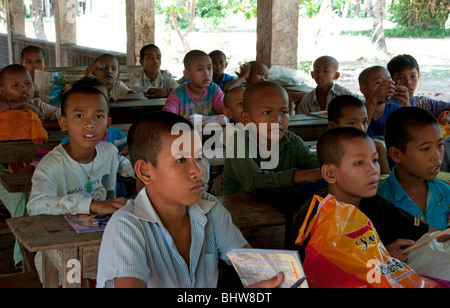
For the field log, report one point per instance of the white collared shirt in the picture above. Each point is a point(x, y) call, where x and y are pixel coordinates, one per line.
point(136, 244)
point(139, 81)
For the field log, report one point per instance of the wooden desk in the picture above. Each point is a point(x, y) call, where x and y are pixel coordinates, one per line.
point(261, 224)
point(44, 233)
point(308, 127)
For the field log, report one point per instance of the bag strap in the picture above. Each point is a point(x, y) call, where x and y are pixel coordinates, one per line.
point(302, 234)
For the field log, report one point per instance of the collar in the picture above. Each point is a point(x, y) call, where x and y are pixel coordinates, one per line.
point(144, 210)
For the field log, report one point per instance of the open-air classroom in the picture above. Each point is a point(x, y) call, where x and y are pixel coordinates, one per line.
point(112, 193)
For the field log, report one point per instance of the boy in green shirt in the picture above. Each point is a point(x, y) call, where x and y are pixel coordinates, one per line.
point(280, 159)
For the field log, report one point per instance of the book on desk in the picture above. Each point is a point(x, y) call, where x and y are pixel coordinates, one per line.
point(83, 223)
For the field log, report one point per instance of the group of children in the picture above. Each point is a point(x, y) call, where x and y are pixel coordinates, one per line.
point(174, 237)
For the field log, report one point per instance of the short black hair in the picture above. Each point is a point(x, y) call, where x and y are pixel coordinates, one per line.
point(338, 103)
point(191, 56)
point(402, 123)
point(402, 62)
point(144, 49)
point(13, 68)
point(85, 89)
point(329, 146)
point(32, 49)
point(364, 76)
point(88, 81)
point(252, 89)
point(217, 53)
point(147, 133)
point(106, 55)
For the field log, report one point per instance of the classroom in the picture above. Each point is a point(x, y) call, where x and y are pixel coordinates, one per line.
point(117, 171)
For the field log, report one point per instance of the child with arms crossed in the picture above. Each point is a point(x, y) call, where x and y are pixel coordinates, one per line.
point(415, 143)
point(173, 234)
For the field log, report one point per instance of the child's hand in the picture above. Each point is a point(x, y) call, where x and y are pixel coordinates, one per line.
point(108, 206)
point(395, 250)
point(94, 67)
point(29, 107)
point(245, 71)
point(384, 92)
point(158, 92)
point(273, 282)
point(402, 95)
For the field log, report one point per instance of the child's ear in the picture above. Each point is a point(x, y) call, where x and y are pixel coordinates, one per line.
point(363, 89)
point(395, 154)
point(143, 172)
point(329, 173)
point(337, 75)
point(186, 73)
point(108, 124)
point(332, 124)
point(227, 112)
point(245, 118)
point(62, 123)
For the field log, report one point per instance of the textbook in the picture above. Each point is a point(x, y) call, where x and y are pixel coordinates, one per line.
point(255, 265)
point(83, 223)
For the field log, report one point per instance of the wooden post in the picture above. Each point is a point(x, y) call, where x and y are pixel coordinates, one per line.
point(140, 27)
point(15, 15)
point(277, 32)
point(66, 27)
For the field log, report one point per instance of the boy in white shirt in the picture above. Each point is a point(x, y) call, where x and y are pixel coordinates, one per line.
point(150, 79)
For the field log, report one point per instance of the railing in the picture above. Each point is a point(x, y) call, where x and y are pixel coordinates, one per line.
point(76, 55)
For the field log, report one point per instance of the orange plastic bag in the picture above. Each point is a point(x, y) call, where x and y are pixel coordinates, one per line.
point(345, 251)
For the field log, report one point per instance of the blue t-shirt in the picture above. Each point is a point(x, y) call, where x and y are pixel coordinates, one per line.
point(225, 80)
point(376, 128)
point(438, 200)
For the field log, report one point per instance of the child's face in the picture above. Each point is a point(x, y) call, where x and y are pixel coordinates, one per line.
point(111, 66)
point(33, 61)
point(353, 117)
point(423, 155)
point(219, 64)
point(258, 73)
point(358, 174)
point(179, 177)
point(151, 61)
point(18, 87)
point(408, 78)
point(324, 73)
point(86, 120)
point(200, 72)
point(234, 108)
point(375, 80)
point(268, 106)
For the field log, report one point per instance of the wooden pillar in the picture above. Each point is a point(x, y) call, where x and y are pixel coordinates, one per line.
point(277, 32)
point(65, 12)
point(15, 11)
point(140, 27)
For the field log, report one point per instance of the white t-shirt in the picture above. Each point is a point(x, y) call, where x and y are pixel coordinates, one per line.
point(139, 82)
point(60, 184)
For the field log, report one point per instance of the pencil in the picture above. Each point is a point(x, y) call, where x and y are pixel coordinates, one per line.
point(299, 282)
point(424, 242)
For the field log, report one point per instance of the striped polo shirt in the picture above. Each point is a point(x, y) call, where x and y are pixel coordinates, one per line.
point(136, 244)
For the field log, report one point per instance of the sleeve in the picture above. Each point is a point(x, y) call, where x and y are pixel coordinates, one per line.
point(47, 112)
point(45, 197)
point(136, 82)
point(218, 102)
point(120, 89)
point(173, 104)
point(169, 81)
point(305, 158)
point(123, 251)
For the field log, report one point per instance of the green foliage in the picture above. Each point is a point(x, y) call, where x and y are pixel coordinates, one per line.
point(309, 8)
point(419, 15)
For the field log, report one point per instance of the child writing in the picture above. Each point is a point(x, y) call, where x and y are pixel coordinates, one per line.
point(405, 71)
point(151, 80)
point(106, 68)
point(200, 95)
point(347, 110)
point(325, 72)
point(266, 103)
point(251, 73)
point(233, 102)
point(219, 62)
point(349, 163)
point(377, 87)
point(167, 238)
point(415, 144)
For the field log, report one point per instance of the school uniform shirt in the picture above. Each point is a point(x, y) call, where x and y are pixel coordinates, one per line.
point(224, 81)
point(136, 244)
point(46, 112)
point(376, 128)
point(139, 81)
point(119, 89)
point(435, 107)
point(438, 201)
point(59, 184)
point(310, 104)
point(244, 175)
point(181, 101)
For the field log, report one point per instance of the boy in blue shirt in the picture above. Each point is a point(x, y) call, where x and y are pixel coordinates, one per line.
point(415, 143)
point(219, 62)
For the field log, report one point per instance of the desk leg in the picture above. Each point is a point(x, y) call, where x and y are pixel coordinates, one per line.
point(71, 272)
point(50, 273)
point(28, 260)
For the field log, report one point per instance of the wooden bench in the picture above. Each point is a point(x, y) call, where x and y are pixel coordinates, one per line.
point(20, 281)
